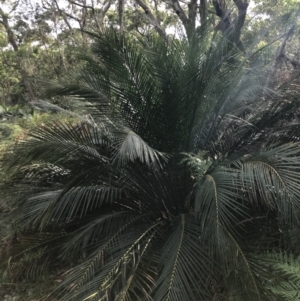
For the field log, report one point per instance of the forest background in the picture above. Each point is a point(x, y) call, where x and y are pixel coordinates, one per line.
point(38, 38)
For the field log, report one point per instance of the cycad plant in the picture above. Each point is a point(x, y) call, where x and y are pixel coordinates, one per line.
point(182, 177)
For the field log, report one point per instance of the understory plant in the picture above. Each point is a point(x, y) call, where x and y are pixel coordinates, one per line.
point(181, 181)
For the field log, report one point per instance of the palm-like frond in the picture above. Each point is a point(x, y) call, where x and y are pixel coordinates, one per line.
point(178, 186)
point(184, 269)
point(271, 178)
point(288, 289)
point(131, 147)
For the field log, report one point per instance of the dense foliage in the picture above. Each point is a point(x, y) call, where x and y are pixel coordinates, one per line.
point(164, 165)
point(178, 184)
point(38, 38)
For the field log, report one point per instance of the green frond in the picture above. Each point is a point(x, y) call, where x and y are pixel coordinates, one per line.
point(28, 255)
point(113, 263)
point(106, 227)
point(218, 202)
point(180, 178)
point(132, 147)
point(287, 287)
point(272, 179)
point(184, 267)
point(197, 163)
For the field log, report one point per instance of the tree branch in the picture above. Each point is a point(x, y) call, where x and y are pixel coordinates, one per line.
point(219, 10)
point(192, 6)
point(225, 22)
point(102, 13)
point(83, 16)
point(242, 11)
point(63, 14)
point(203, 11)
point(152, 19)
point(279, 54)
point(10, 34)
point(226, 26)
point(83, 5)
point(294, 63)
point(121, 15)
point(73, 17)
point(180, 13)
point(14, 7)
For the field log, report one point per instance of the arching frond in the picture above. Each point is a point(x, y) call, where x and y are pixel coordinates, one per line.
point(112, 265)
point(131, 147)
point(272, 179)
point(218, 202)
point(184, 268)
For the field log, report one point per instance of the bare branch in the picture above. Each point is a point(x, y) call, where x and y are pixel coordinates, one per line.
point(101, 15)
point(225, 22)
point(294, 63)
point(156, 10)
point(152, 19)
point(121, 15)
point(10, 34)
point(242, 9)
point(226, 26)
point(203, 11)
point(63, 14)
point(180, 13)
point(219, 11)
point(192, 16)
point(83, 16)
point(73, 17)
point(14, 7)
point(83, 5)
point(279, 54)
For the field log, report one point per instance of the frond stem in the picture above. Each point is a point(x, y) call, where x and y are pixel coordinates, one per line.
point(176, 258)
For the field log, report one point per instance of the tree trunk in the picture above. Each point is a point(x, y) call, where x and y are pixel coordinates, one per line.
point(121, 15)
point(153, 21)
point(12, 41)
point(279, 54)
point(203, 11)
point(232, 30)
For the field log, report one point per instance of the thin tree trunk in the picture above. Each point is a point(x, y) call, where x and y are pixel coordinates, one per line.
point(279, 54)
point(121, 15)
point(192, 6)
point(12, 41)
point(203, 11)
